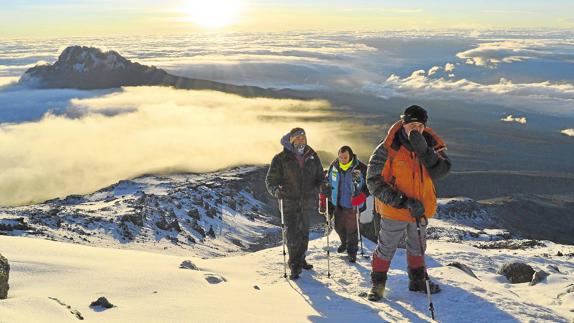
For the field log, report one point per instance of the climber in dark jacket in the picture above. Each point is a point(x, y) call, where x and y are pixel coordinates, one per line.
point(295, 176)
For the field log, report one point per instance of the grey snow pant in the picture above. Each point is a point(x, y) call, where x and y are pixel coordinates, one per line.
point(390, 235)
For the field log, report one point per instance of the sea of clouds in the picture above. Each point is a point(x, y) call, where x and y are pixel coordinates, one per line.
point(63, 141)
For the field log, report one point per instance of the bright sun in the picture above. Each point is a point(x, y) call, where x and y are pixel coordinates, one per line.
point(213, 13)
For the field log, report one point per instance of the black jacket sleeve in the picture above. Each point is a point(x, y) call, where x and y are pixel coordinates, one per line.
point(319, 173)
point(441, 167)
point(375, 181)
point(363, 169)
point(274, 176)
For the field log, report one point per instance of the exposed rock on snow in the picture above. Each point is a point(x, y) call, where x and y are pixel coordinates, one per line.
point(74, 312)
point(517, 272)
point(187, 264)
point(210, 214)
point(553, 268)
point(214, 279)
point(4, 275)
point(464, 268)
point(510, 244)
point(538, 277)
point(102, 302)
point(13, 224)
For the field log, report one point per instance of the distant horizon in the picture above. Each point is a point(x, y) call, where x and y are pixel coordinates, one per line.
point(65, 18)
point(232, 32)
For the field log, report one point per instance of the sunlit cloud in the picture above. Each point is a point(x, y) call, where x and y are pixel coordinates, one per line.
point(433, 70)
point(8, 80)
point(98, 141)
point(547, 97)
point(511, 118)
point(491, 54)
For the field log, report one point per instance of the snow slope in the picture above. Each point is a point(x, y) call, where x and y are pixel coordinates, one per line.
point(150, 287)
point(126, 242)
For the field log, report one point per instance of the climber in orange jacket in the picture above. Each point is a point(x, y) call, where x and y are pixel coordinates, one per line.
point(400, 176)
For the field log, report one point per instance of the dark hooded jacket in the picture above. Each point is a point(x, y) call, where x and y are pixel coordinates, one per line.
point(297, 182)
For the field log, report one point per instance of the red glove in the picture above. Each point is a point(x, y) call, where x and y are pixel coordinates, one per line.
point(322, 203)
point(359, 199)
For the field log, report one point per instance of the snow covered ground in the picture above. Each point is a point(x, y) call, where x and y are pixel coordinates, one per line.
point(150, 287)
point(127, 241)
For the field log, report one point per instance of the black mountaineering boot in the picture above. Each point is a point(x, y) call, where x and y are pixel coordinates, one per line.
point(306, 265)
point(352, 257)
point(378, 279)
point(417, 281)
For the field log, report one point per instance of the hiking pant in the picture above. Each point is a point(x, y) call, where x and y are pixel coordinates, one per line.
point(346, 227)
point(297, 214)
point(391, 233)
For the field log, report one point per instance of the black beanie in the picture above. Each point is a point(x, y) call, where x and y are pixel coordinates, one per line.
point(297, 132)
point(415, 113)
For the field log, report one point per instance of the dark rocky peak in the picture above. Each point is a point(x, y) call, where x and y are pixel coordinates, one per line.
point(85, 59)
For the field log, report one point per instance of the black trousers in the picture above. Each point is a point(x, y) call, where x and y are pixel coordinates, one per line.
point(346, 228)
point(297, 214)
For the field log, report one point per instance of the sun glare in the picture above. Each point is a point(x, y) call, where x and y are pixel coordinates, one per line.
point(213, 13)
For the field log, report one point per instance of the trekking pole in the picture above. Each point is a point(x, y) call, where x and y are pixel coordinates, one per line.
point(359, 233)
point(356, 175)
point(328, 233)
point(283, 235)
point(427, 280)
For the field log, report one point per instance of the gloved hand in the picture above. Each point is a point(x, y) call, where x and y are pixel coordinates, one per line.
point(322, 203)
point(416, 208)
point(419, 143)
point(359, 199)
point(325, 189)
point(279, 193)
point(398, 201)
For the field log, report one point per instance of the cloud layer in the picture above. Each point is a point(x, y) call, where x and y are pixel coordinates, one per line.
point(544, 97)
point(98, 141)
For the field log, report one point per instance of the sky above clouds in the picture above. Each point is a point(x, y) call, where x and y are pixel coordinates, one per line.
point(39, 18)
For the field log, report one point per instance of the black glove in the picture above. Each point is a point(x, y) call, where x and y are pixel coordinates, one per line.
point(325, 188)
point(279, 193)
point(416, 208)
point(398, 200)
point(421, 149)
point(419, 143)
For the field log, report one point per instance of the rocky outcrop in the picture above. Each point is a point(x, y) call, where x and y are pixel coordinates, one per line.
point(4, 275)
point(517, 272)
point(187, 264)
point(538, 277)
point(101, 302)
